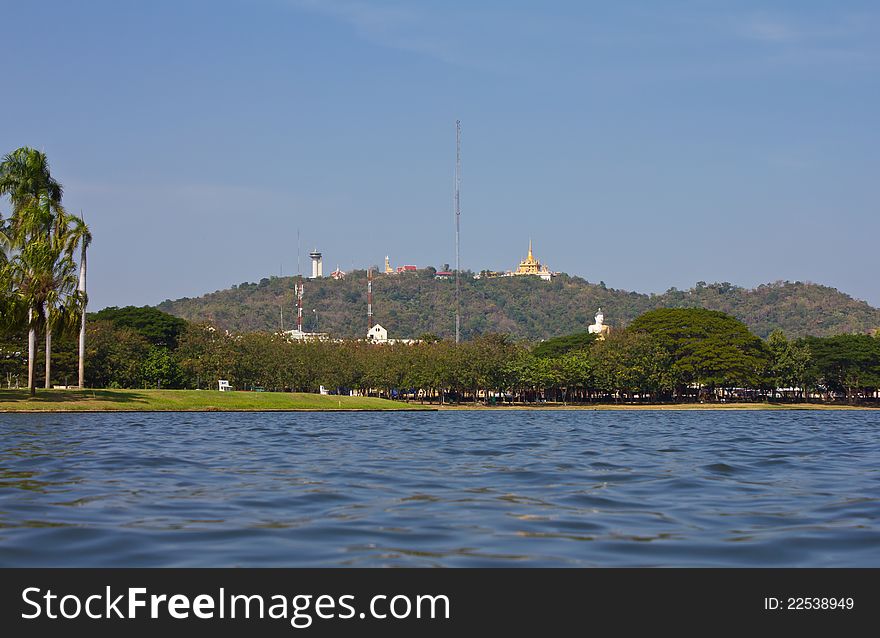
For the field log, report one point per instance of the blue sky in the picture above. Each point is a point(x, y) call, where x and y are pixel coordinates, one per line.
point(644, 144)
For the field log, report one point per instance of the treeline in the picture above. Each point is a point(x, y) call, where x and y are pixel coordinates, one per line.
point(665, 355)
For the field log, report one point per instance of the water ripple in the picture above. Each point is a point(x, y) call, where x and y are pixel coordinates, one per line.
point(580, 488)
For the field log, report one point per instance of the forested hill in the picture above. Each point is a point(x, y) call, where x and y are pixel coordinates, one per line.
point(412, 304)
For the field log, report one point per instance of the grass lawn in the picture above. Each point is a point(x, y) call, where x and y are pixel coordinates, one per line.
point(183, 400)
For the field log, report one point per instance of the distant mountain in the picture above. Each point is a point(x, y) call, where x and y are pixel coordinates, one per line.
point(414, 303)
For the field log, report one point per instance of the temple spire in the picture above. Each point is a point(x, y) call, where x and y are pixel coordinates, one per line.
point(530, 258)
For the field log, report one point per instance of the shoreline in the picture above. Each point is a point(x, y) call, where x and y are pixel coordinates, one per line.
point(733, 407)
point(664, 407)
point(188, 401)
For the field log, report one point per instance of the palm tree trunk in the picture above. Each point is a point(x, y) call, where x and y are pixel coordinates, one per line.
point(32, 348)
point(48, 357)
point(82, 323)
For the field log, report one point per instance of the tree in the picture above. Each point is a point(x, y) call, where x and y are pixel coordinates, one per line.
point(79, 236)
point(159, 328)
point(789, 362)
point(25, 178)
point(558, 346)
point(5, 242)
point(707, 348)
point(528, 374)
point(204, 355)
point(13, 362)
point(8, 317)
point(36, 201)
point(39, 233)
point(159, 366)
point(629, 362)
point(847, 363)
point(64, 307)
point(115, 356)
point(571, 370)
point(45, 281)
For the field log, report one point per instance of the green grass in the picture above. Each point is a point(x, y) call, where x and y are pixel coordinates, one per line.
point(194, 400)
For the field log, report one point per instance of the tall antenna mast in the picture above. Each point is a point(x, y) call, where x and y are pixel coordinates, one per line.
point(281, 276)
point(299, 305)
point(369, 299)
point(299, 270)
point(457, 229)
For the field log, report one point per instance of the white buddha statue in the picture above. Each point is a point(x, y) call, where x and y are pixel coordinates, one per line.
point(599, 328)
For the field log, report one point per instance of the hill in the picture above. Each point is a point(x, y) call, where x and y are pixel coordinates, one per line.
point(412, 304)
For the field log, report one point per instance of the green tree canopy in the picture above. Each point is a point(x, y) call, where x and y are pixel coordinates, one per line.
point(115, 356)
point(846, 363)
point(790, 361)
point(707, 347)
point(558, 346)
point(157, 327)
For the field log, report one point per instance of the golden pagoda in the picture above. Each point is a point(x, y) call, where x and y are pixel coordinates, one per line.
point(531, 266)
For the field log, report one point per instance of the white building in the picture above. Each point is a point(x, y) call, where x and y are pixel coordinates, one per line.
point(299, 335)
point(378, 334)
point(317, 264)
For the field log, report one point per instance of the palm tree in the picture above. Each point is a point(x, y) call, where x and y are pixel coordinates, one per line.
point(79, 235)
point(25, 176)
point(45, 282)
point(64, 309)
point(42, 222)
point(5, 242)
point(8, 316)
point(37, 219)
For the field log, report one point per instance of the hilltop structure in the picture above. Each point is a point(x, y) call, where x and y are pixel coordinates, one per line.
point(389, 270)
point(529, 267)
point(378, 334)
point(298, 334)
point(317, 264)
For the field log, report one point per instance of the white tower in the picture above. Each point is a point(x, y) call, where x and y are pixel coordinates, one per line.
point(317, 264)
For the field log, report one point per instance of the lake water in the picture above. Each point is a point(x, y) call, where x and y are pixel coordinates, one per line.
point(525, 488)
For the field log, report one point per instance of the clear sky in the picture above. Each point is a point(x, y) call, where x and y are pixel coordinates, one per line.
point(646, 144)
